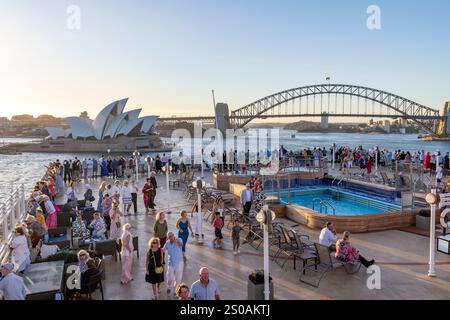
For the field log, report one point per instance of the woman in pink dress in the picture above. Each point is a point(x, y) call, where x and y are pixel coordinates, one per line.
point(126, 254)
point(369, 165)
point(51, 220)
point(345, 252)
point(115, 214)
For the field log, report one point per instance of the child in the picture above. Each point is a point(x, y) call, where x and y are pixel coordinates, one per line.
point(235, 231)
point(218, 224)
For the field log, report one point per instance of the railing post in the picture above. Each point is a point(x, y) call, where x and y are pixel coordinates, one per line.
point(12, 216)
point(23, 200)
point(4, 220)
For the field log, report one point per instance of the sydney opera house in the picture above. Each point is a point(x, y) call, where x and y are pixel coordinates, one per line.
point(113, 130)
point(112, 122)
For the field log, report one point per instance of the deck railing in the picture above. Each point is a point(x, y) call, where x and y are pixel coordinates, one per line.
point(12, 210)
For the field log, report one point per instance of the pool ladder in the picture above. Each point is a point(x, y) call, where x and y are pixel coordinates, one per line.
point(324, 204)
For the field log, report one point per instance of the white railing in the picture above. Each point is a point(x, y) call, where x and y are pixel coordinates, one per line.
point(12, 210)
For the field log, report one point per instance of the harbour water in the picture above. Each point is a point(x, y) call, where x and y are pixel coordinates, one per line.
point(26, 168)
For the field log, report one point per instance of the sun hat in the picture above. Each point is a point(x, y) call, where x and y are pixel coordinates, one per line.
point(7, 266)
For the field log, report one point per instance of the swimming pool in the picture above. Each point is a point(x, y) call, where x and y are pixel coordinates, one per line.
point(332, 201)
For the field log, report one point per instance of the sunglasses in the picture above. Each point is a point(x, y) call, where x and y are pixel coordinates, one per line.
point(154, 242)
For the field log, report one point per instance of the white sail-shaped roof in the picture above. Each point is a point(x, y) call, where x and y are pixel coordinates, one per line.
point(148, 123)
point(131, 122)
point(113, 126)
point(55, 133)
point(111, 122)
point(80, 127)
point(104, 118)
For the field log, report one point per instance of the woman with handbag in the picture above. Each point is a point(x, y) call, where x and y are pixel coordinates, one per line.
point(115, 214)
point(155, 266)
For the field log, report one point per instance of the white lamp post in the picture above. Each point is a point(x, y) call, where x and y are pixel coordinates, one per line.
point(199, 184)
point(376, 159)
point(148, 166)
point(432, 199)
point(201, 159)
point(166, 169)
point(136, 154)
point(265, 217)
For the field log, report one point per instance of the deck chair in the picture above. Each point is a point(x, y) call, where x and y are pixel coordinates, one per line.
point(406, 181)
point(386, 179)
point(64, 219)
point(325, 263)
point(303, 252)
point(95, 283)
point(286, 247)
point(106, 248)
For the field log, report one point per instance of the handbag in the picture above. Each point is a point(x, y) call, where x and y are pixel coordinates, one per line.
point(158, 270)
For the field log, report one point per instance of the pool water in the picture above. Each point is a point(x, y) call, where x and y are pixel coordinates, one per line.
point(344, 203)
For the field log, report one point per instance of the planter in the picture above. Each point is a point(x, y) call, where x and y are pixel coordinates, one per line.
point(256, 291)
point(423, 222)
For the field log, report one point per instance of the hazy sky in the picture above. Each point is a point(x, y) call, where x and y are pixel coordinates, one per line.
point(167, 55)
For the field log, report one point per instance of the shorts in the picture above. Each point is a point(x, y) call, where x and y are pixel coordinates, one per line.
point(218, 233)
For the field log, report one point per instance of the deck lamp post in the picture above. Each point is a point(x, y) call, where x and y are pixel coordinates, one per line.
point(376, 159)
point(432, 199)
point(265, 217)
point(199, 184)
point(149, 169)
point(166, 169)
point(201, 159)
point(136, 156)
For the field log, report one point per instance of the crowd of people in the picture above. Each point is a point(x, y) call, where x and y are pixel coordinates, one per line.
point(115, 200)
point(118, 198)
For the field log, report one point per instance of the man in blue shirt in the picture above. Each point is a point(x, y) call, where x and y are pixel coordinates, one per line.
point(11, 284)
point(204, 288)
point(173, 249)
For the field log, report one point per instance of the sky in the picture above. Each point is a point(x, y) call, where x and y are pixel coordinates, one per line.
point(167, 55)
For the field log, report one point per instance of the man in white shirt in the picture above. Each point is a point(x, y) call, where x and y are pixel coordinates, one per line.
point(328, 236)
point(11, 285)
point(246, 199)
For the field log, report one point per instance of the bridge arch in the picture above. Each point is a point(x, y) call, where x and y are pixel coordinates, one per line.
point(405, 108)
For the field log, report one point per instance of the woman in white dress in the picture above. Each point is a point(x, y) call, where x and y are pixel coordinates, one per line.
point(21, 251)
point(126, 254)
point(126, 197)
point(71, 195)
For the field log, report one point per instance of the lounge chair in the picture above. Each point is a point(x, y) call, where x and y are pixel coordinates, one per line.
point(303, 252)
point(324, 263)
point(386, 179)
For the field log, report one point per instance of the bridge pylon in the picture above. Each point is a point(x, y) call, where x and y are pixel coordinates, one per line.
point(222, 114)
point(444, 125)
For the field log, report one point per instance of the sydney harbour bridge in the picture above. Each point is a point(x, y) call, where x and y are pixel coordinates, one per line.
point(327, 101)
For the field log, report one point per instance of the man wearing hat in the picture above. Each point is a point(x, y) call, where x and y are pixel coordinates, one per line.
point(11, 285)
